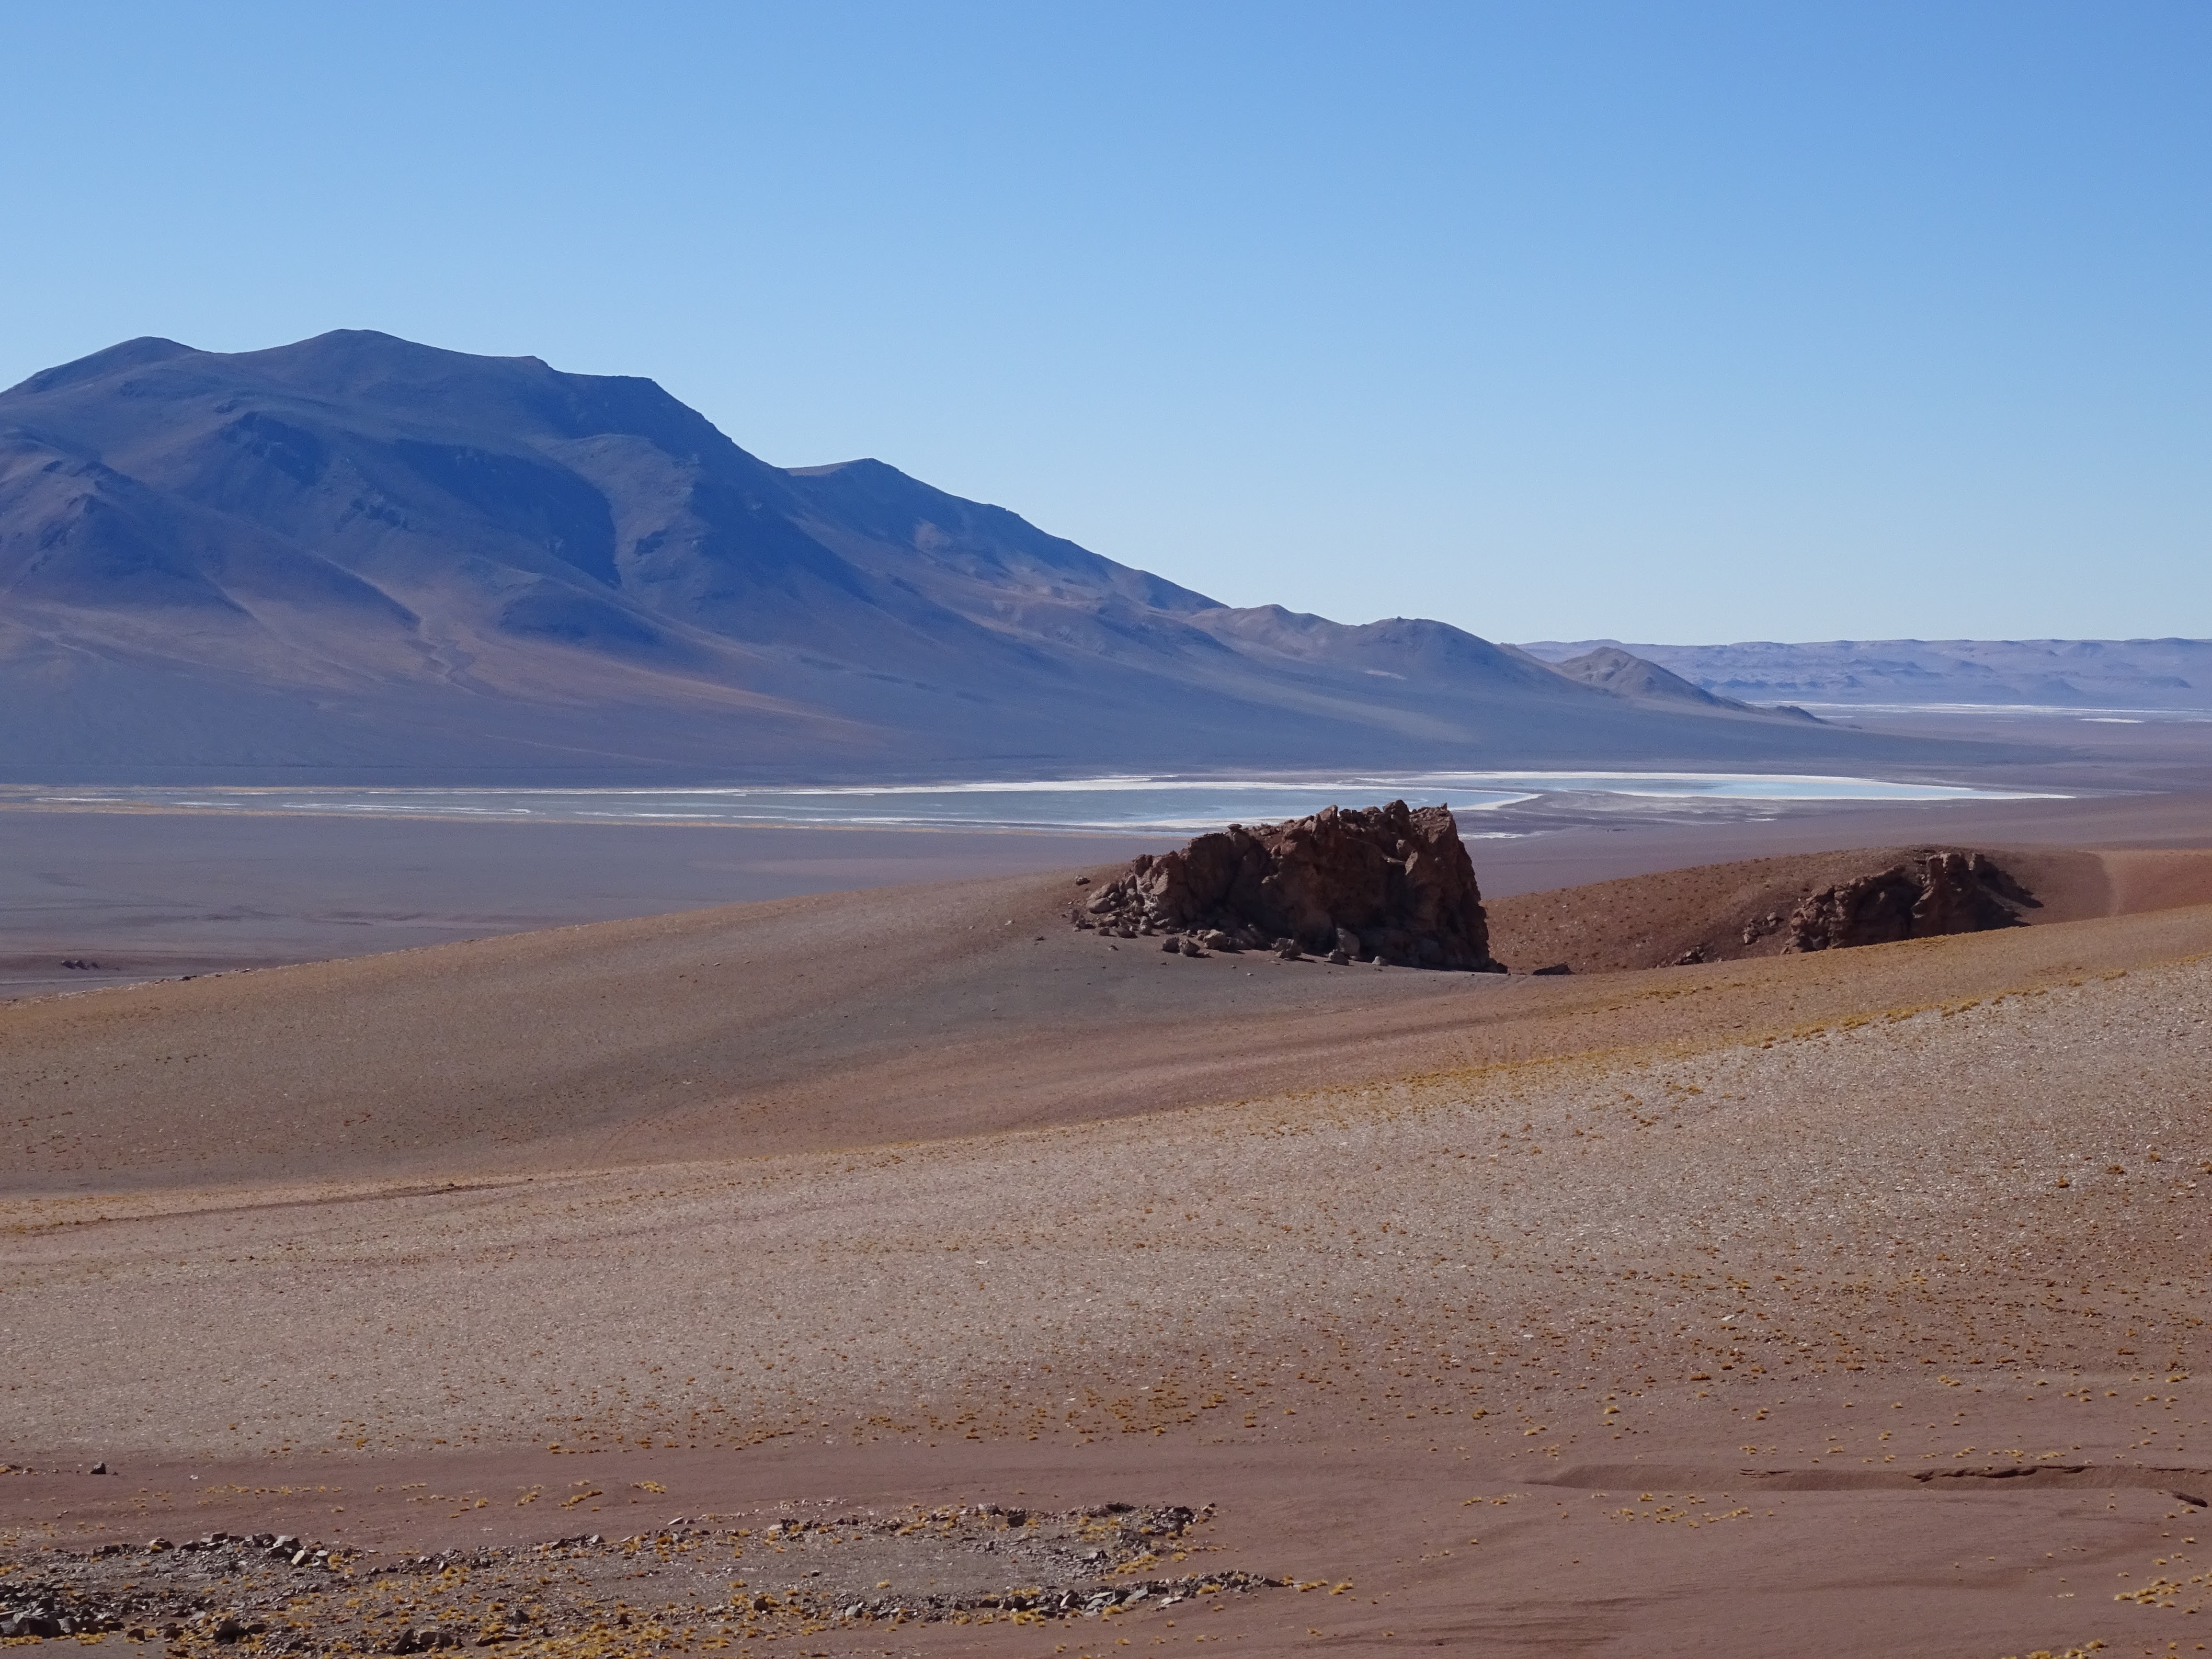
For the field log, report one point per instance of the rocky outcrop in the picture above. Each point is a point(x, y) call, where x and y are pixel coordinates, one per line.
point(1920, 898)
point(1388, 883)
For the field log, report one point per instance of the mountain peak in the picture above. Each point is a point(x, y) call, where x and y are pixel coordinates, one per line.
point(360, 551)
point(130, 353)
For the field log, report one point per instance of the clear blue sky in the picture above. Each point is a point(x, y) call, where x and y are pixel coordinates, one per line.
point(1686, 322)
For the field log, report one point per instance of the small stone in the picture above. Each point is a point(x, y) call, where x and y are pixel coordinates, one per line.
point(1556, 968)
point(1338, 958)
point(99, 1468)
point(1172, 944)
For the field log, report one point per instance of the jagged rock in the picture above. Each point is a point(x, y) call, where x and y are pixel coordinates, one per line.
point(1921, 898)
point(1388, 883)
point(1760, 926)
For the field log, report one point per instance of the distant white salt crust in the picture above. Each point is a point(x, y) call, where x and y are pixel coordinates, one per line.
point(2037, 711)
point(1136, 804)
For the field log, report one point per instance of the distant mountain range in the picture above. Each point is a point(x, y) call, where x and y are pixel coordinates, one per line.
point(359, 559)
point(2143, 674)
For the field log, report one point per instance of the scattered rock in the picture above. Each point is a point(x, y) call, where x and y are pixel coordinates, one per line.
point(1760, 926)
point(1389, 884)
point(1925, 897)
point(422, 1641)
point(215, 1591)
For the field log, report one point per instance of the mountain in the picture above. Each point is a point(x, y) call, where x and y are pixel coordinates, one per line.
point(355, 558)
point(1613, 670)
point(2144, 674)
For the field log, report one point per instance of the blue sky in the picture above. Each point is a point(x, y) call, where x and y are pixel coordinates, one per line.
point(1687, 322)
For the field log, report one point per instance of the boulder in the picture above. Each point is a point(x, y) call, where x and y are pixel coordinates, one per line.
point(1390, 884)
point(1920, 898)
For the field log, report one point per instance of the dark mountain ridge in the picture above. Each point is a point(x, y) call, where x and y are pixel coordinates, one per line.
point(357, 558)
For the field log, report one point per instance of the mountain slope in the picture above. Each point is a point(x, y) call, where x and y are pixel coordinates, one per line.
point(359, 557)
point(1611, 669)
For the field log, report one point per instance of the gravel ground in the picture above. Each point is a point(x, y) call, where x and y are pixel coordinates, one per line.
point(2018, 1183)
point(1806, 1301)
point(670, 1588)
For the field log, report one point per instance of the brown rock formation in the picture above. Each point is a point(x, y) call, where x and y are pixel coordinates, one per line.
point(1388, 883)
point(1920, 898)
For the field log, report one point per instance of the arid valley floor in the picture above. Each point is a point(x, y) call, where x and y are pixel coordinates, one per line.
point(838, 1261)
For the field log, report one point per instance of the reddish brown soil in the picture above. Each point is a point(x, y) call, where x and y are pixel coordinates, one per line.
point(1654, 920)
point(1850, 1302)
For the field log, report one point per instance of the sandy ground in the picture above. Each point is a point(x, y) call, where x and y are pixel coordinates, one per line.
point(1726, 912)
point(1851, 1303)
point(149, 895)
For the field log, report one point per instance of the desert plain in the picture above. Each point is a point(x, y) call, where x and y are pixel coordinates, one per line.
point(900, 1270)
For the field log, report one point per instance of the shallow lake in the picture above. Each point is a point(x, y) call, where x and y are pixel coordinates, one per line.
point(1136, 803)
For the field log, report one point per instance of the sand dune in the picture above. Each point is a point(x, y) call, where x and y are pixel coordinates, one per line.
point(1668, 1286)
